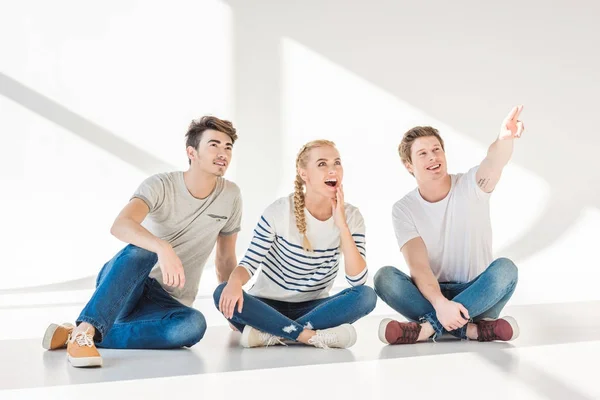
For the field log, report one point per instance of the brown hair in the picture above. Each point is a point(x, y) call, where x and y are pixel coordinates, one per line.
point(405, 147)
point(299, 205)
point(199, 126)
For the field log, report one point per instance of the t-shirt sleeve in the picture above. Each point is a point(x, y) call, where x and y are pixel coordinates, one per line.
point(262, 240)
point(472, 186)
point(152, 192)
point(234, 222)
point(404, 226)
point(356, 224)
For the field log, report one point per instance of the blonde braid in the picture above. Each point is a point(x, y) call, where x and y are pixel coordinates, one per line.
point(299, 211)
point(299, 204)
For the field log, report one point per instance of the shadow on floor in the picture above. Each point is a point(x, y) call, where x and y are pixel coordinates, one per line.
point(219, 352)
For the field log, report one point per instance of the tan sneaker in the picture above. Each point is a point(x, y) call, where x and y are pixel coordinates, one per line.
point(252, 337)
point(57, 336)
point(341, 337)
point(81, 350)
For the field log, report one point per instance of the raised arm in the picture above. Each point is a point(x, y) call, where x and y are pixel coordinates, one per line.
point(448, 312)
point(500, 152)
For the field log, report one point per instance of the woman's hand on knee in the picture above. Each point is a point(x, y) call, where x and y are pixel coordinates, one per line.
point(231, 296)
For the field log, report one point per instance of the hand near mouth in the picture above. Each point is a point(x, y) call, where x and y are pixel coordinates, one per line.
point(337, 208)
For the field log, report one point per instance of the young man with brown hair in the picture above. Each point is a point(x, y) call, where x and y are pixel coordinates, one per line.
point(144, 295)
point(443, 229)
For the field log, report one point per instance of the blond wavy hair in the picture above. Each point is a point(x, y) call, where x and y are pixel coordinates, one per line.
point(301, 162)
point(405, 147)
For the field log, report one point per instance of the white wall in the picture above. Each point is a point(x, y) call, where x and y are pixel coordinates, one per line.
point(93, 99)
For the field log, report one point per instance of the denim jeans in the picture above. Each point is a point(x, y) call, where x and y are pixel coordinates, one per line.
point(288, 320)
point(130, 310)
point(484, 296)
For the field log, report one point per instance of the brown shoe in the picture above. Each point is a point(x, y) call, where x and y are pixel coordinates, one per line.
point(504, 329)
point(57, 336)
point(82, 352)
point(394, 332)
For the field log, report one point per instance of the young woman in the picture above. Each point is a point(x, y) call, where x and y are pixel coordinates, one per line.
point(299, 241)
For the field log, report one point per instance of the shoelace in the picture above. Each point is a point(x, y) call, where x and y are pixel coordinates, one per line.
point(410, 334)
point(269, 339)
point(83, 338)
point(323, 340)
point(486, 331)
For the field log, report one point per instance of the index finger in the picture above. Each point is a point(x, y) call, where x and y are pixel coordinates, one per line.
point(519, 109)
point(221, 307)
point(229, 308)
point(516, 111)
point(511, 115)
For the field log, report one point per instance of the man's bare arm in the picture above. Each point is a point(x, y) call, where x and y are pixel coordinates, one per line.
point(447, 312)
point(499, 154)
point(225, 259)
point(127, 227)
point(415, 254)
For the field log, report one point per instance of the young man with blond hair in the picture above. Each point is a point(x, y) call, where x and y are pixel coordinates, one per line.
point(443, 230)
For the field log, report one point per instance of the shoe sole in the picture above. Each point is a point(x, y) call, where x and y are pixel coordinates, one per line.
point(47, 339)
point(382, 327)
point(85, 362)
point(513, 324)
point(352, 331)
point(245, 337)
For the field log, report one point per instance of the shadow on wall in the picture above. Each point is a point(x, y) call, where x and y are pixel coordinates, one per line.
point(464, 64)
point(93, 133)
point(76, 124)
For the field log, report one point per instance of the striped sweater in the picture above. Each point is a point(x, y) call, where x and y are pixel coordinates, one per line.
point(289, 273)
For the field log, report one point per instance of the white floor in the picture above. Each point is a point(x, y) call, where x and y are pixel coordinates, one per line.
point(556, 357)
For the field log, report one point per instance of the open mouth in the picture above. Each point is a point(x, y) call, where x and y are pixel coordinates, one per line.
point(331, 182)
point(220, 163)
point(434, 167)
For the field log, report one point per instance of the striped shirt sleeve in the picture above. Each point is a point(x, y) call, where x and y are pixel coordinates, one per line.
point(262, 240)
point(356, 224)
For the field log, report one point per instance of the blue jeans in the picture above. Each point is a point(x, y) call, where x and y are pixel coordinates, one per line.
point(288, 320)
point(484, 296)
point(130, 310)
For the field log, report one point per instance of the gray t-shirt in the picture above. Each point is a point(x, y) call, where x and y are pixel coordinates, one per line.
point(189, 224)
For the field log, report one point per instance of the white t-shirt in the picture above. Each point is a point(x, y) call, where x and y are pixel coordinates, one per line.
point(289, 273)
point(457, 230)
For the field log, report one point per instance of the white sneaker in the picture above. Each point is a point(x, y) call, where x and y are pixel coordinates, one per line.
point(341, 337)
point(252, 337)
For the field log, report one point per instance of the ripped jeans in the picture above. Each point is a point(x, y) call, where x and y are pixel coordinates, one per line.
point(288, 320)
